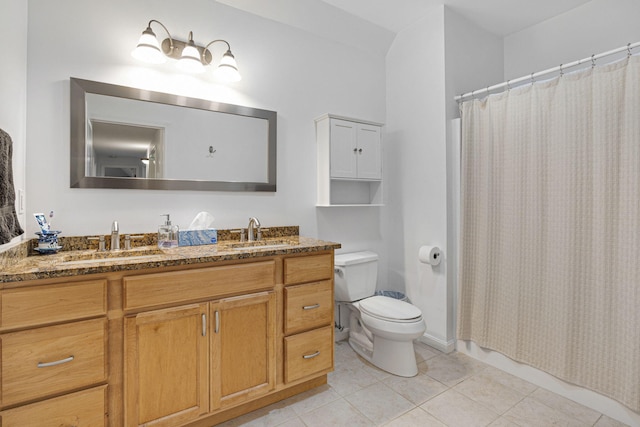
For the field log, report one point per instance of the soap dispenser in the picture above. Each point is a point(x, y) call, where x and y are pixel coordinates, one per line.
point(167, 234)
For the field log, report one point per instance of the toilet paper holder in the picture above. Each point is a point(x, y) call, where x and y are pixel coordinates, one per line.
point(430, 255)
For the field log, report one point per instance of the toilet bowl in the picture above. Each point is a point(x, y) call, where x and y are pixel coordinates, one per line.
point(382, 329)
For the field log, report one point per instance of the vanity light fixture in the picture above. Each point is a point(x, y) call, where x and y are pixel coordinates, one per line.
point(191, 57)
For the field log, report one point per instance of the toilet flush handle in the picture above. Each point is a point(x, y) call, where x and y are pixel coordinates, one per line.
point(339, 271)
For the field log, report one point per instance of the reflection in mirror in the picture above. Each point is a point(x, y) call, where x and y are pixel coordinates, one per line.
point(129, 138)
point(124, 150)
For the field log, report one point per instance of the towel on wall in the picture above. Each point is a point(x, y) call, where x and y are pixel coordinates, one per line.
point(9, 225)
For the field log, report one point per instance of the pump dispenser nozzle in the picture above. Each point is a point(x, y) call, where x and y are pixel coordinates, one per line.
point(167, 234)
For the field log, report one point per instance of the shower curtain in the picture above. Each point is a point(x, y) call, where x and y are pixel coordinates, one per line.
point(550, 241)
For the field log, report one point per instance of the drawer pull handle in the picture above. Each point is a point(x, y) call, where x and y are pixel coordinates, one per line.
point(312, 355)
point(204, 325)
point(217, 322)
point(310, 307)
point(55, 363)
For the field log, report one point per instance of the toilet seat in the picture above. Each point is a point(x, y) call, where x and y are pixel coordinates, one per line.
point(390, 310)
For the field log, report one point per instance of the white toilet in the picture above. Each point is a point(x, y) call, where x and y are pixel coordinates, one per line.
point(382, 329)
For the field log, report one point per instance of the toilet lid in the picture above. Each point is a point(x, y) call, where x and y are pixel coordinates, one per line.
point(390, 309)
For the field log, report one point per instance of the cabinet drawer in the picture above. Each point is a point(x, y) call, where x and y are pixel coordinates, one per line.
point(50, 304)
point(83, 409)
point(308, 353)
point(40, 362)
point(182, 286)
point(308, 306)
point(308, 268)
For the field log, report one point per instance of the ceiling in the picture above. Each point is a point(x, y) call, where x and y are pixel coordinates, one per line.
point(500, 17)
point(373, 24)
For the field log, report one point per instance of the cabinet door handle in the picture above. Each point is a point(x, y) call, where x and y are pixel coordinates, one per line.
point(310, 307)
point(217, 322)
point(311, 356)
point(55, 363)
point(204, 325)
point(355, 150)
point(360, 151)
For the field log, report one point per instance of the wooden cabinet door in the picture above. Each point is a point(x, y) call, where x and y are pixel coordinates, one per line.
point(369, 152)
point(343, 149)
point(243, 333)
point(166, 366)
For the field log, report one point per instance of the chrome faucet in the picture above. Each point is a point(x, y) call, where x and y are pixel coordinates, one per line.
point(253, 230)
point(115, 236)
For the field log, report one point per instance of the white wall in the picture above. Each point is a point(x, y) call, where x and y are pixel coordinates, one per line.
point(13, 90)
point(474, 59)
point(416, 157)
point(427, 64)
point(299, 75)
point(595, 27)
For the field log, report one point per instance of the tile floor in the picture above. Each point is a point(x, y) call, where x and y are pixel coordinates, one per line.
point(450, 390)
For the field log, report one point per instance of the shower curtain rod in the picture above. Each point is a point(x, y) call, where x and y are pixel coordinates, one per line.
point(533, 76)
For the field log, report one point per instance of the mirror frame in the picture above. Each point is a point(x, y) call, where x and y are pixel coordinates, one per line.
point(79, 88)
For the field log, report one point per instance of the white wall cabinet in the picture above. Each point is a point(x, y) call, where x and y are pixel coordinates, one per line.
point(349, 161)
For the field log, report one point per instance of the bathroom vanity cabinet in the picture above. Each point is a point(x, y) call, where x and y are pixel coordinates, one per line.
point(349, 161)
point(308, 316)
point(226, 345)
point(54, 354)
point(190, 345)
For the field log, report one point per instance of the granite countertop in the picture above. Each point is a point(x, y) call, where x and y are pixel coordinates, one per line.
point(89, 261)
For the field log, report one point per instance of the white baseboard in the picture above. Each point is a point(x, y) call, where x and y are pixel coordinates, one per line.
point(437, 343)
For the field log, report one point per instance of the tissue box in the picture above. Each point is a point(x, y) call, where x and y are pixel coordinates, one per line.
point(197, 237)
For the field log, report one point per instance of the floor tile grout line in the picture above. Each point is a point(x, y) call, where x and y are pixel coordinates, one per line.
point(569, 416)
point(474, 371)
point(358, 411)
point(524, 396)
point(390, 390)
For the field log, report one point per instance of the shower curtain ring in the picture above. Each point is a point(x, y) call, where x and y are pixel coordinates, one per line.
point(532, 80)
point(561, 71)
point(628, 50)
point(508, 85)
point(593, 61)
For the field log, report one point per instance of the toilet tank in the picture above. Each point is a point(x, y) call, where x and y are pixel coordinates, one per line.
point(355, 275)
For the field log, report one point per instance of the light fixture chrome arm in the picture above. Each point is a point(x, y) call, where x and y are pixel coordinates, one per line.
point(149, 49)
point(219, 40)
point(165, 29)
